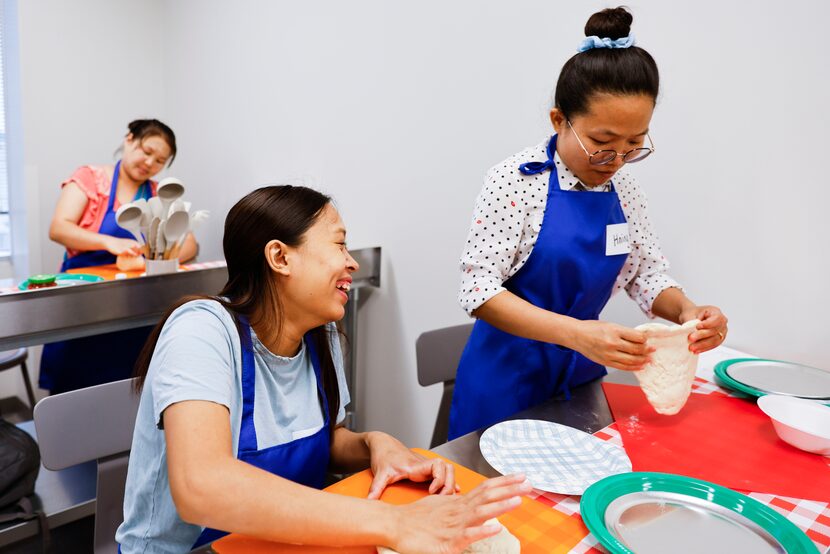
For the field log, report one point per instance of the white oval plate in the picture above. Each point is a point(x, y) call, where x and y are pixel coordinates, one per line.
point(555, 458)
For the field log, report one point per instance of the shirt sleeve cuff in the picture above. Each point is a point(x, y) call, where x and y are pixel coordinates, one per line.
point(472, 299)
point(645, 290)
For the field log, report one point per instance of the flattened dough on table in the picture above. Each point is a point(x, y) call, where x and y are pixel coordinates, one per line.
point(502, 543)
point(667, 380)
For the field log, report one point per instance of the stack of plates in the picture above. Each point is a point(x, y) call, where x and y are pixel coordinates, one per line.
point(758, 377)
point(654, 513)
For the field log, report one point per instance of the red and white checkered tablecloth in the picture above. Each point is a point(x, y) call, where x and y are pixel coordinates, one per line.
point(810, 516)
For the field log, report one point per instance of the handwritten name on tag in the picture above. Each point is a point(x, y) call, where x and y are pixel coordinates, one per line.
point(617, 240)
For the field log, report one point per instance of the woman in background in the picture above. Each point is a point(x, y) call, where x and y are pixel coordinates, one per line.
point(84, 222)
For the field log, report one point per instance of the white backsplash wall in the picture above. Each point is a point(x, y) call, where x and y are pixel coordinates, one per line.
point(398, 110)
point(86, 70)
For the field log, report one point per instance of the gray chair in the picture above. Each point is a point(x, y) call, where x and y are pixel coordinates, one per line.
point(438, 353)
point(95, 423)
point(14, 358)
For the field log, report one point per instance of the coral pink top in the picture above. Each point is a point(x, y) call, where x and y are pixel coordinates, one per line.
point(95, 182)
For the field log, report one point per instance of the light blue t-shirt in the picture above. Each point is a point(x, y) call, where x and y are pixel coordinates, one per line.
point(199, 357)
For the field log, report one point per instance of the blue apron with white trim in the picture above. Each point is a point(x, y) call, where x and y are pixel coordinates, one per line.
point(87, 361)
point(568, 272)
point(304, 460)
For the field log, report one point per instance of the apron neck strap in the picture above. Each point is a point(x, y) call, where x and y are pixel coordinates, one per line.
point(535, 168)
point(114, 186)
point(144, 189)
point(315, 362)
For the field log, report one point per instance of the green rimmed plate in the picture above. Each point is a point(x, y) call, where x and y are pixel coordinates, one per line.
point(649, 513)
point(759, 377)
point(67, 279)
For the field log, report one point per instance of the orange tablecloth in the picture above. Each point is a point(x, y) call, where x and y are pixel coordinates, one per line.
point(540, 529)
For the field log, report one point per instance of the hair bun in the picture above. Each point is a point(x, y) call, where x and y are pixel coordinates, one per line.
point(610, 23)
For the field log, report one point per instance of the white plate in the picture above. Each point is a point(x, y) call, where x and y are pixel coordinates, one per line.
point(555, 458)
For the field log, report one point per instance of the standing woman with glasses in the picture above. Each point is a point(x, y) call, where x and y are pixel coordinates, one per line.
point(557, 229)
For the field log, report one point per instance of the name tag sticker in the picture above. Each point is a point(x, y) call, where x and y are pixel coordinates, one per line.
point(617, 240)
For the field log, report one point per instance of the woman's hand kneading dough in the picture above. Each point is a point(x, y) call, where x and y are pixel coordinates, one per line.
point(447, 524)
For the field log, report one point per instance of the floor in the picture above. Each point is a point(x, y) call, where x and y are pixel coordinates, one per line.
point(14, 410)
point(72, 538)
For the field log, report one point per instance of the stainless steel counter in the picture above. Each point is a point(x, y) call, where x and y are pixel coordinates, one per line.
point(59, 313)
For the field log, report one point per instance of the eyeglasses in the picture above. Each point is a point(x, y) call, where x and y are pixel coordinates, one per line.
point(605, 157)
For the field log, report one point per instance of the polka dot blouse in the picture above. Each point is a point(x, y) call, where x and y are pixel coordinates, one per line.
point(507, 219)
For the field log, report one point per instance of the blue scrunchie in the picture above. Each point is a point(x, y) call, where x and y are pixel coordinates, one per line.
point(596, 42)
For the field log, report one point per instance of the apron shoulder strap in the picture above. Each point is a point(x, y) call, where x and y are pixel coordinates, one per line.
point(534, 168)
point(247, 431)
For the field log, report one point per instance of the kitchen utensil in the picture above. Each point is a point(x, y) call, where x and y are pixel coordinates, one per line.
point(161, 243)
point(141, 203)
point(756, 377)
point(179, 205)
point(198, 217)
point(144, 223)
point(155, 207)
point(554, 457)
point(659, 512)
point(716, 438)
point(153, 237)
point(540, 529)
point(128, 216)
point(802, 423)
point(168, 191)
point(174, 229)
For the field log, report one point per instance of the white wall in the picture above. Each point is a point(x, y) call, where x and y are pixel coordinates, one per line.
point(399, 109)
point(86, 70)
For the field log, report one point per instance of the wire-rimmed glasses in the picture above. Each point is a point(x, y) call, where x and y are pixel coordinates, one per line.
point(605, 157)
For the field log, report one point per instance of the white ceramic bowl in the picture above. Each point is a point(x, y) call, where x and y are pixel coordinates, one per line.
point(802, 423)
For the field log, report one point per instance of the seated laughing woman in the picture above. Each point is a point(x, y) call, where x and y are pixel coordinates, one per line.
point(242, 400)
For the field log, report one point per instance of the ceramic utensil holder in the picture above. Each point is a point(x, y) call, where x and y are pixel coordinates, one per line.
point(159, 267)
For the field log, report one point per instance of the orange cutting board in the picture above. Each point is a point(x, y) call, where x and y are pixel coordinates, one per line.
point(540, 529)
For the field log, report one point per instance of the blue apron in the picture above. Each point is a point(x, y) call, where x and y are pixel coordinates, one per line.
point(567, 272)
point(304, 460)
point(79, 363)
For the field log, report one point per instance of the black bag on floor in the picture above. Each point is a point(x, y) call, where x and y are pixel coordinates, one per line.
point(19, 464)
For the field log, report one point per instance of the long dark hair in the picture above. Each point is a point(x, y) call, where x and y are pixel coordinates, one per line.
point(282, 212)
point(619, 71)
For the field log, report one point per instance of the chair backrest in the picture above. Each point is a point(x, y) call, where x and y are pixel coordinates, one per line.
point(438, 353)
point(95, 423)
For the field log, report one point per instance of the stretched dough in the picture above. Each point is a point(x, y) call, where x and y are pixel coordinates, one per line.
point(667, 380)
point(502, 543)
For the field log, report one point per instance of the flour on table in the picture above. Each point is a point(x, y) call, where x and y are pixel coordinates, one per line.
point(667, 380)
